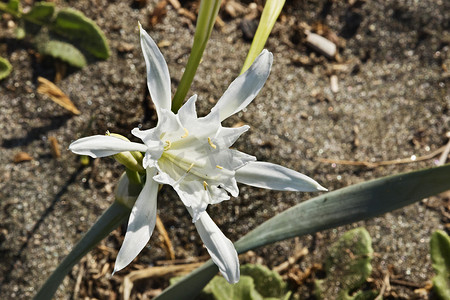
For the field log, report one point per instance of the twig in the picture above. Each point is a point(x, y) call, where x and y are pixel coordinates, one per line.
point(444, 155)
point(76, 290)
point(385, 287)
point(128, 280)
point(406, 283)
point(188, 260)
point(291, 260)
point(383, 163)
point(166, 240)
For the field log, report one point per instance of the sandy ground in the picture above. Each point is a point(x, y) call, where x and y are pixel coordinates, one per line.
point(393, 102)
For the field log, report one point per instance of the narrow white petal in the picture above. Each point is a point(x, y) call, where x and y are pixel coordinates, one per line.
point(187, 113)
point(104, 145)
point(158, 78)
point(244, 89)
point(141, 223)
point(275, 177)
point(220, 248)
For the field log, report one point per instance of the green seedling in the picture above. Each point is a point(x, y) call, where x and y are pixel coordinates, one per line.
point(65, 34)
point(440, 256)
point(257, 283)
point(347, 267)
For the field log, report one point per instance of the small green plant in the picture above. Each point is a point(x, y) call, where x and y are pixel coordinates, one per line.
point(440, 256)
point(347, 267)
point(65, 34)
point(257, 283)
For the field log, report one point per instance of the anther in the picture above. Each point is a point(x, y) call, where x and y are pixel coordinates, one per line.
point(211, 143)
point(219, 167)
point(192, 165)
point(205, 184)
point(186, 133)
point(167, 146)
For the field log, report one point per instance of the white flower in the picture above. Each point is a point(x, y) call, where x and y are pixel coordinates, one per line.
point(193, 155)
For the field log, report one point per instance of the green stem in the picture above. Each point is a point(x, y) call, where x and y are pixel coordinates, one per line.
point(113, 217)
point(269, 15)
point(134, 177)
point(206, 18)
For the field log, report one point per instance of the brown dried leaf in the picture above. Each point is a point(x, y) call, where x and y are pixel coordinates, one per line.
point(48, 88)
point(175, 3)
point(54, 145)
point(158, 13)
point(186, 13)
point(21, 157)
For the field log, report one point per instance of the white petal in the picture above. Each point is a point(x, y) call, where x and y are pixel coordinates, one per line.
point(158, 78)
point(244, 89)
point(141, 223)
point(187, 113)
point(103, 145)
point(226, 136)
point(220, 248)
point(275, 177)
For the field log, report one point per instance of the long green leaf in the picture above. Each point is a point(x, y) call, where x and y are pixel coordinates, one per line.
point(206, 18)
point(113, 217)
point(269, 15)
point(351, 204)
point(75, 26)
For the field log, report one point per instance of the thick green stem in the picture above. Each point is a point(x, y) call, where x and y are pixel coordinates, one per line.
point(205, 22)
point(270, 14)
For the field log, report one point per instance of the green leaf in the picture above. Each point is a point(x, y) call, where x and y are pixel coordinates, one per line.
point(64, 51)
point(205, 22)
point(41, 13)
point(268, 283)
point(5, 68)
point(440, 256)
point(351, 204)
point(14, 5)
point(220, 289)
point(257, 282)
point(75, 26)
point(347, 266)
point(270, 14)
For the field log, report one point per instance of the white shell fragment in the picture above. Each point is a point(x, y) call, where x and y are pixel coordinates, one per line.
point(321, 44)
point(334, 84)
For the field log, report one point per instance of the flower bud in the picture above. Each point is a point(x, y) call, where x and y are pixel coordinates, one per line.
point(132, 160)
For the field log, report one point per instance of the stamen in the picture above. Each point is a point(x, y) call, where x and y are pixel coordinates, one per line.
point(192, 165)
point(184, 176)
point(219, 167)
point(211, 143)
point(186, 133)
point(107, 132)
point(167, 146)
point(205, 184)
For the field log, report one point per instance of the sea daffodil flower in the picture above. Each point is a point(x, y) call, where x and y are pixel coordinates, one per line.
point(193, 155)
